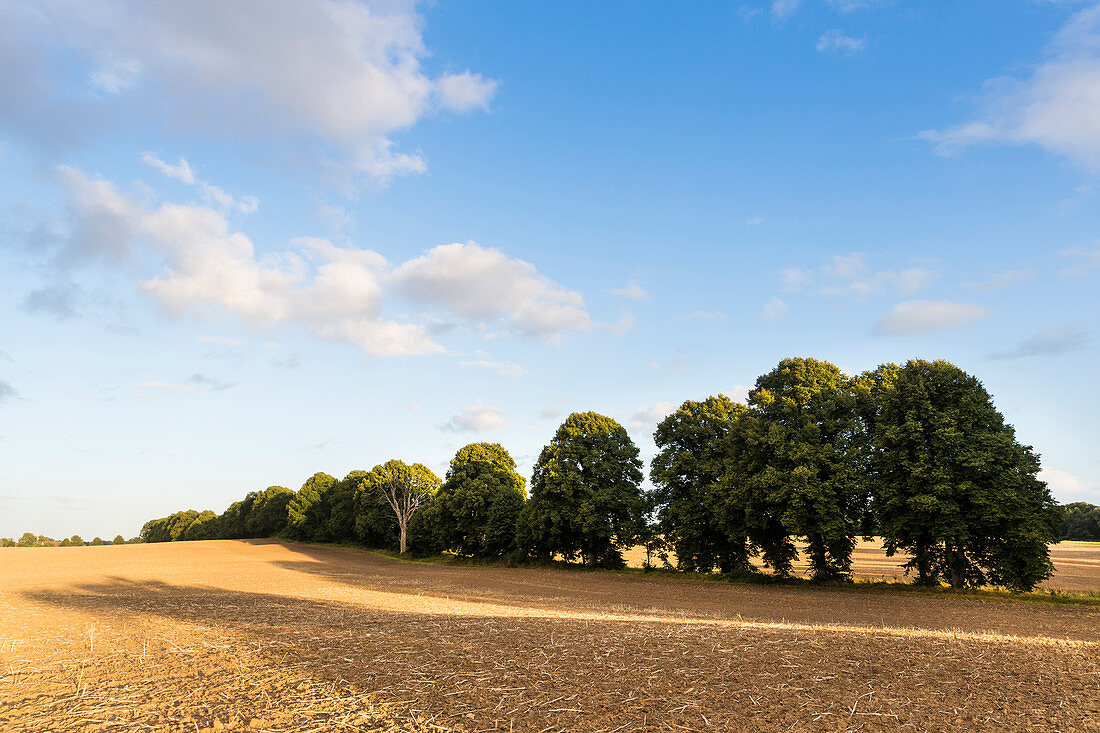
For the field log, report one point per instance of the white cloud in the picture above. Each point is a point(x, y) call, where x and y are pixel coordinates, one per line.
point(633, 291)
point(647, 417)
point(708, 316)
point(549, 413)
point(921, 316)
point(1084, 260)
point(1057, 107)
point(465, 92)
point(1069, 488)
point(505, 368)
point(774, 308)
point(851, 275)
point(475, 419)
point(335, 293)
point(835, 41)
point(850, 6)
point(182, 172)
point(485, 286)
point(783, 9)
point(335, 77)
point(1002, 280)
point(738, 393)
point(755, 221)
point(7, 391)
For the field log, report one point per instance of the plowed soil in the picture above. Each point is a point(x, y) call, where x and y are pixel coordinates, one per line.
point(264, 636)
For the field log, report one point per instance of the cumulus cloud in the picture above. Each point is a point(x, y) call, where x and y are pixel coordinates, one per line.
point(646, 417)
point(1002, 280)
point(851, 275)
point(835, 41)
point(475, 419)
point(485, 286)
point(1067, 487)
point(1056, 107)
point(774, 308)
point(632, 291)
point(922, 316)
point(182, 172)
point(1052, 342)
point(333, 292)
point(505, 368)
point(335, 77)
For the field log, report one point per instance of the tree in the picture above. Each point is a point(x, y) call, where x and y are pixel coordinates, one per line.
point(308, 511)
point(340, 520)
point(805, 479)
point(480, 501)
point(688, 475)
point(585, 493)
point(1080, 521)
point(96, 542)
point(405, 489)
point(118, 540)
point(954, 487)
point(268, 514)
point(374, 519)
point(205, 526)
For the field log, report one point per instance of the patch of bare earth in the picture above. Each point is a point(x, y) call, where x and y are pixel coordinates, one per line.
point(265, 636)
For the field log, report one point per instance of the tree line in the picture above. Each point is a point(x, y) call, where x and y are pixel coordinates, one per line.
point(30, 539)
point(916, 454)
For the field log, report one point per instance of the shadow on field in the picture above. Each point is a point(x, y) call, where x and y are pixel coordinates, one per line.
point(602, 592)
point(534, 673)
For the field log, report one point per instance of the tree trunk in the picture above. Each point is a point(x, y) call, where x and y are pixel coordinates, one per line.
point(404, 527)
point(924, 564)
point(954, 566)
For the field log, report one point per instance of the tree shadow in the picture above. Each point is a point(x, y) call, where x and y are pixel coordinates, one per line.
point(530, 673)
point(556, 590)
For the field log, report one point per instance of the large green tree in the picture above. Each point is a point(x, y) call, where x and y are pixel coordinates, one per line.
point(480, 502)
point(268, 514)
point(404, 488)
point(687, 474)
point(308, 512)
point(800, 477)
point(1080, 521)
point(954, 488)
point(585, 493)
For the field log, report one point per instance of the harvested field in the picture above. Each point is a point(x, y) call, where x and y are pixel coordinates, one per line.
point(265, 636)
point(1076, 565)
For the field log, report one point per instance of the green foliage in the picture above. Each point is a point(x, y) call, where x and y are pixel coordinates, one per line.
point(585, 496)
point(118, 540)
point(76, 541)
point(802, 476)
point(97, 541)
point(689, 497)
point(268, 513)
point(478, 506)
point(404, 488)
point(8, 542)
point(308, 512)
point(339, 525)
point(953, 486)
point(1080, 521)
point(30, 539)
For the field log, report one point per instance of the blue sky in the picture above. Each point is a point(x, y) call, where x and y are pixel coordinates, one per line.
point(244, 242)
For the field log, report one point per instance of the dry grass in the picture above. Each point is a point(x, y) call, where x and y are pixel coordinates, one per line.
point(264, 636)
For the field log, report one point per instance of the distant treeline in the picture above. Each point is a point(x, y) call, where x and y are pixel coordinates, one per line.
point(1081, 522)
point(916, 454)
point(30, 539)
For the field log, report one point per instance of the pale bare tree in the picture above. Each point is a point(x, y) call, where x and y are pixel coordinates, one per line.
point(406, 488)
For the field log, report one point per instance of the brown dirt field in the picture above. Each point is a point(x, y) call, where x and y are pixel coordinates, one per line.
point(265, 636)
point(1076, 565)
